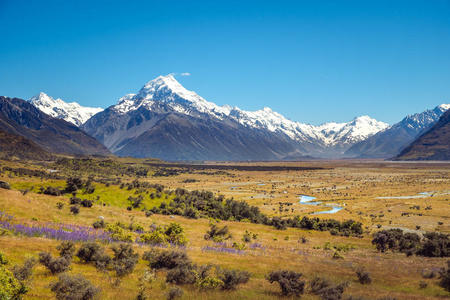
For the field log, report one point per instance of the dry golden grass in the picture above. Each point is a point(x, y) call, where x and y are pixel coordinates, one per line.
point(354, 184)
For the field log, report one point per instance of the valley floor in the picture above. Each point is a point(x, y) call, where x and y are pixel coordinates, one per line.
point(412, 196)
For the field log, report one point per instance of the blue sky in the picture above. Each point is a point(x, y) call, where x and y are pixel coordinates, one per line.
point(312, 61)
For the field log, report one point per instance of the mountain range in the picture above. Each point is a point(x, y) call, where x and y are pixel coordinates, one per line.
point(21, 118)
point(57, 108)
point(165, 120)
point(432, 145)
point(164, 113)
point(392, 140)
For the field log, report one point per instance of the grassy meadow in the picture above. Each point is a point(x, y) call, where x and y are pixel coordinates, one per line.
point(412, 196)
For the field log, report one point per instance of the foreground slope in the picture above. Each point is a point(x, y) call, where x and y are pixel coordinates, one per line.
point(432, 145)
point(55, 135)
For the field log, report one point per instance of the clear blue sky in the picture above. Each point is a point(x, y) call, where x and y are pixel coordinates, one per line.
point(312, 61)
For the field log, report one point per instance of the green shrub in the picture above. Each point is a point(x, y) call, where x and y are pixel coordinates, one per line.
point(10, 287)
point(3, 260)
point(218, 234)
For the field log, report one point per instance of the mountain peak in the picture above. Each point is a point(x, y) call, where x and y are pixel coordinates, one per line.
point(57, 108)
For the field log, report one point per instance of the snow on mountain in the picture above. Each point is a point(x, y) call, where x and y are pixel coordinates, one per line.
point(168, 90)
point(57, 108)
point(389, 142)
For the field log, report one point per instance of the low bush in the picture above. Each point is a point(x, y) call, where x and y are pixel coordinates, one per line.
point(289, 281)
point(90, 252)
point(99, 224)
point(180, 275)
point(24, 272)
point(173, 233)
point(54, 264)
point(71, 287)
point(124, 259)
point(175, 293)
point(10, 287)
point(218, 234)
point(444, 275)
point(75, 209)
point(166, 259)
point(231, 278)
point(363, 276)
point(326, 289)
point(66, 249)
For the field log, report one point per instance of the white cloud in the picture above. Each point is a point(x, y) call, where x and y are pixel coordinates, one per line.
point(185, 74)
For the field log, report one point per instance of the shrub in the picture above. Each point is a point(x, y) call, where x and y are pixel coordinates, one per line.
point(70, 287)
point(3, 260)
point(10, 287)
point(86, 203)
point(54, 264)
point(174, 293)
point(231, 278)
point(181, 275)
point(60, 205)
point(89, 252)
point(66, 249)
point(435, 244)
point(174, 234)
point(363, 276)
point(217, 234)
point(52, 191)
point(444, 275)
point(124, 260)
point(75, 209)
point(118, 232)
point(326, 289)
point(73, 184)
point(24, 272)
point(75, 201)
point(337, 255)
point(289, 281)
point(166, 259)
point(99, 224)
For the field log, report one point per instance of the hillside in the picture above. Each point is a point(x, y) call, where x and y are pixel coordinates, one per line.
point(432, 145)
point(54, 135)
point(15, 146)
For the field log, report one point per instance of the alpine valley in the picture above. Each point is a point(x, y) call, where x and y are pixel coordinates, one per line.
point(166, 121)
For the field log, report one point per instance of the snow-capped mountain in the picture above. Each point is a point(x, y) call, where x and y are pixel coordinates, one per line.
point(125, 128)
point(57, 108)
point(392, 140)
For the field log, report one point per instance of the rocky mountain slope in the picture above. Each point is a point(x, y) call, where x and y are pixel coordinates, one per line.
point(389, 142)
point(21, 118)
point(432, 145)
point(57, 108)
